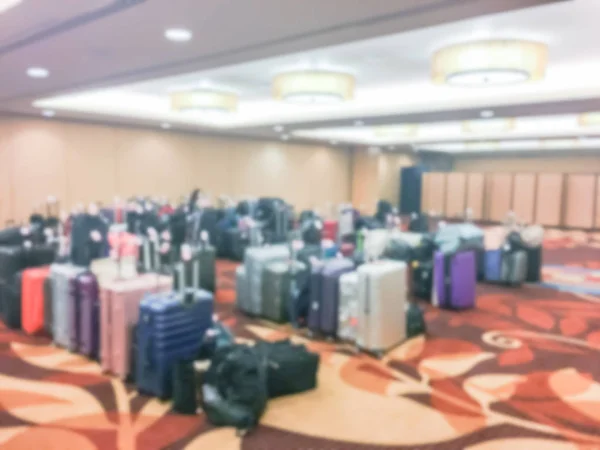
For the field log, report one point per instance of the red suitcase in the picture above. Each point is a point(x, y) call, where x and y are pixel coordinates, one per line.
point(330, 230)
point(32, 299)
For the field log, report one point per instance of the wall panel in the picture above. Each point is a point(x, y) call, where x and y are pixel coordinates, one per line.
point(579, 200)
point(437, 193)
point(499, 196)
point(456, 191)
point(85, 163)
point(549, 199)
point(523, 198)
point(475, 194)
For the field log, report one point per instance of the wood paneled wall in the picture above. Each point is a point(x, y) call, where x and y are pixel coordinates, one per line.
point(84, 163)
point(570, 200)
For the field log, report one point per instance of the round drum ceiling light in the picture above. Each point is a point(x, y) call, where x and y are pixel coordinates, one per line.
point(313, 87)
point(493, 62)
point(488, 126)
point(204, 100)
point(590, 119)
point(395, 131)
point(5, 5)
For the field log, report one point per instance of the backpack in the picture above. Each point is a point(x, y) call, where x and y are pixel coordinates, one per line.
point(234, 392)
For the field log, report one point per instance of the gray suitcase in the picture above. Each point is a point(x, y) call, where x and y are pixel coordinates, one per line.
point(62, 275)
point(277, 285)
point(348, 307)
point(381, 305)
point(242, 296)
point(514, 268)
point(256, 260)
point(198, 273)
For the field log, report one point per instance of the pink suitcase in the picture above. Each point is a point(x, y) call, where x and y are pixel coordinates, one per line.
point(119, 310)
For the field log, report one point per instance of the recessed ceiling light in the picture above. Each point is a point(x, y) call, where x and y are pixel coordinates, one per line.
point(178, 34)
point(487, 113)
point(278, 128)
point(285, 137)
point(5, 5)
point(358, 123)
point(165, 126)
point(38, 72)
point(48, 113)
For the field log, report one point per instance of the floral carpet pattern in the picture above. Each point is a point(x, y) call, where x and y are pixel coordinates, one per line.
point(521, 371)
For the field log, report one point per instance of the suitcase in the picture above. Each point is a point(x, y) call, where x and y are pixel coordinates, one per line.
point(348, 307)
point(330, 289)
point(242, 296)
point(119, 310)
point(11, 236)
point(454, 280)
point(347, 249)
point(313, 320)
point(107, 270)
point(507, 267)
point(149, 256)
point(170, 328)
point(422, 275)
point(32, 299)
point(277, 288)
point(381, 305)
point(329, 249)
point(198, 273)
point(308, 252)
point(12, 260)
point(88, 306)
point(534, 265)
point(415, 321)
point(256, 260)
point(48, 305)
point(12, 301)
point(330, 230)
point(184, 387)
point(63, 316)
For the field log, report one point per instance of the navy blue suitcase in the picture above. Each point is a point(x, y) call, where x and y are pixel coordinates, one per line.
point(171, 327)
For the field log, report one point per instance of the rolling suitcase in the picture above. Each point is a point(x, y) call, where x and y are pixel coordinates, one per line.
point(119, 311)
point(348, 307)
point(32, 299)
point(12, 302)
point(381, 305)
point(256, 260)
point(170, 328)
point(454, 280)
point(88, 300)
point(149, 256)
point(63, 301)
point(422, 275)
point(12, 260)
point(330, 290)
point(197, 273)
point(330, 230)
point(277, 288)
point(242, 295)
point(184, 387)
point(306, 253)
point(48, 305)
point(313, 320)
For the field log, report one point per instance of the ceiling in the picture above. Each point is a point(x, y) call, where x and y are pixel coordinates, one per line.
point(109, 62)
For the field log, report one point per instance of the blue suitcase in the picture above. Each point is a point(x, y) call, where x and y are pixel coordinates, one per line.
point(493, 265)
point(171, 328)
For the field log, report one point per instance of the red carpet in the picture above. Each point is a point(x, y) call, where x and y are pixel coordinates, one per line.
point(521, 371)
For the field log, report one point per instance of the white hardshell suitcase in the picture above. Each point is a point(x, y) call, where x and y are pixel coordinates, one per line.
point(348, 307)
point(256, 260)
point(242, 296)
point(61, 276)
point(382, 305)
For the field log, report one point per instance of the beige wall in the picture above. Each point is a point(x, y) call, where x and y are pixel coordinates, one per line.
point(84, 163)
point(561, 164)
point(376, 177)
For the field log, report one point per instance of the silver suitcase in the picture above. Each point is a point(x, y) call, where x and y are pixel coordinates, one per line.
point(381, 305)
point(61, 276)
point(277, 288)
point(242, 297)
point(256, 260)
point(514, 268)
point(348, 307)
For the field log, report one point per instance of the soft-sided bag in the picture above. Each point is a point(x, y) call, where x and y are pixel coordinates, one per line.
point(398, 250)
point(291, 369)
point(415, 321)
point(234, 392)
point(184, 387)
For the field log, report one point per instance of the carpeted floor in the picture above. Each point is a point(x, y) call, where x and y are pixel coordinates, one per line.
point(522, 371)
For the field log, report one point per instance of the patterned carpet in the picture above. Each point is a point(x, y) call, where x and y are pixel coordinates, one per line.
point(521, 371)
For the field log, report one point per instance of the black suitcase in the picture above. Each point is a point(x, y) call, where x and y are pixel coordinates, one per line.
point(307, 253)
point(184, 388)
point(12, 260)
point(291, 368)
point(39, 255)
point(423, 279)
point(12, 302)
point(11, 236)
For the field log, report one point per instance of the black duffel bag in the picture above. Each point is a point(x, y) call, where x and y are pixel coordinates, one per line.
point(398, 250)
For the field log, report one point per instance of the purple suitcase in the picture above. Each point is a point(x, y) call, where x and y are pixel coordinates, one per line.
point(330, 293)
point(89, 314)
point(314, 313)
point(73, 317)
point(454, 280)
